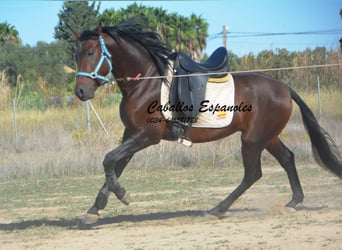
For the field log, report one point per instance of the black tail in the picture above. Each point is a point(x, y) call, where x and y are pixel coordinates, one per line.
point(323, 146)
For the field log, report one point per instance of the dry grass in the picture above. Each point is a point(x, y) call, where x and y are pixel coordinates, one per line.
point(55, 142)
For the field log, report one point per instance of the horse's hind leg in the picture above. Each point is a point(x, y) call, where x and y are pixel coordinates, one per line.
point(251, 153)
point(286, 159)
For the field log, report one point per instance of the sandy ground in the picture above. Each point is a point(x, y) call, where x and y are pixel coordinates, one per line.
point(257, 221)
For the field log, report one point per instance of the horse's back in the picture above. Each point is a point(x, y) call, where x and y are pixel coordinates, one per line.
point(262, 85)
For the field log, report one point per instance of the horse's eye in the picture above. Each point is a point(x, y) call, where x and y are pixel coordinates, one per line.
point(90, 53)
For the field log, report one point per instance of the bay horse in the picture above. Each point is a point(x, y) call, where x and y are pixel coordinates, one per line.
point(126, 51)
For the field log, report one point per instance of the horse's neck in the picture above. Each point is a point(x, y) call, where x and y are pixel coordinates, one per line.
point(132, 60)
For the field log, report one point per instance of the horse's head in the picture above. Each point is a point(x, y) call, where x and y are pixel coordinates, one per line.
point(143, 53)
point(93, 63)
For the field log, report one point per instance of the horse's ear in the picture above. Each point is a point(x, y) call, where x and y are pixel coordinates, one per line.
point(99, 29)
point(77, 34)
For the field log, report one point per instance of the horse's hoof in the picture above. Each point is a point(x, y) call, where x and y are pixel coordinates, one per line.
point(126, 198)
point(293, 205)
point(293, 208)
point(215, 212)
point(290, 209)
point(209, 216)
point(90, 219)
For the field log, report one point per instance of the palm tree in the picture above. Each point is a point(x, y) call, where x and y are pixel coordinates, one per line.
point(178, 32)
point(8, 34)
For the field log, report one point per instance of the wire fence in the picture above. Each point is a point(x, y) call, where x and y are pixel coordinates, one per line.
point(236, 72)
point(90, 107)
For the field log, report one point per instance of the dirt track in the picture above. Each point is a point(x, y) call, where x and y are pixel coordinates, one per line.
point(172, 218)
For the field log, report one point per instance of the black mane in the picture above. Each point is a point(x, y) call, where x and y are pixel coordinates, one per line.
point(132, 29)
point(87, 35)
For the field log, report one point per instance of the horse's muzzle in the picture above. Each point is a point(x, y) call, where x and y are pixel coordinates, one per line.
point(84, 92)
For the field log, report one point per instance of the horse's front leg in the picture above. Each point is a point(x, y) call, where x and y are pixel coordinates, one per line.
point(101, 200)
point(112, 174)
point(114, 163)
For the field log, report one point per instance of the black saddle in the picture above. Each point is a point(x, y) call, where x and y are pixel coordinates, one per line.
point(217, 62)
point(188, 88)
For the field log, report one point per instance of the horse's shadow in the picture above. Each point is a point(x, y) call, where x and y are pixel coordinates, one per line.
point(76, 223)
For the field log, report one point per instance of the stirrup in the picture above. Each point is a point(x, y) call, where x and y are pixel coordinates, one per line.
point(185, 141)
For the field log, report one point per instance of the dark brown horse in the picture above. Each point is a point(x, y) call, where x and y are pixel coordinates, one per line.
point(127, 51)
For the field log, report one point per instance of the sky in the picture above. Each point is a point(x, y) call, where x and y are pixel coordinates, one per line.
point(35, 21)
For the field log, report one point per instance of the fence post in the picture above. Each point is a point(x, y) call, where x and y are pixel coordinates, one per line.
point(15, 122)
point(319, 96)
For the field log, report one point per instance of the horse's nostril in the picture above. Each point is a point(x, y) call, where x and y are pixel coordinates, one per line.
point(79, 92)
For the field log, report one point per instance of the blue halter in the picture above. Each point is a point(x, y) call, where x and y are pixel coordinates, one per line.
point(105, 55)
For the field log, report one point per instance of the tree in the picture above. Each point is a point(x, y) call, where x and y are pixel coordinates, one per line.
point(178, 32)
point(75, 16)
point(8, 34)
point(49, 66)
point(39, 69)
point(13, 61)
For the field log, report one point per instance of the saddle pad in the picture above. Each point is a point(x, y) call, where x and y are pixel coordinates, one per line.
point(216, 109)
